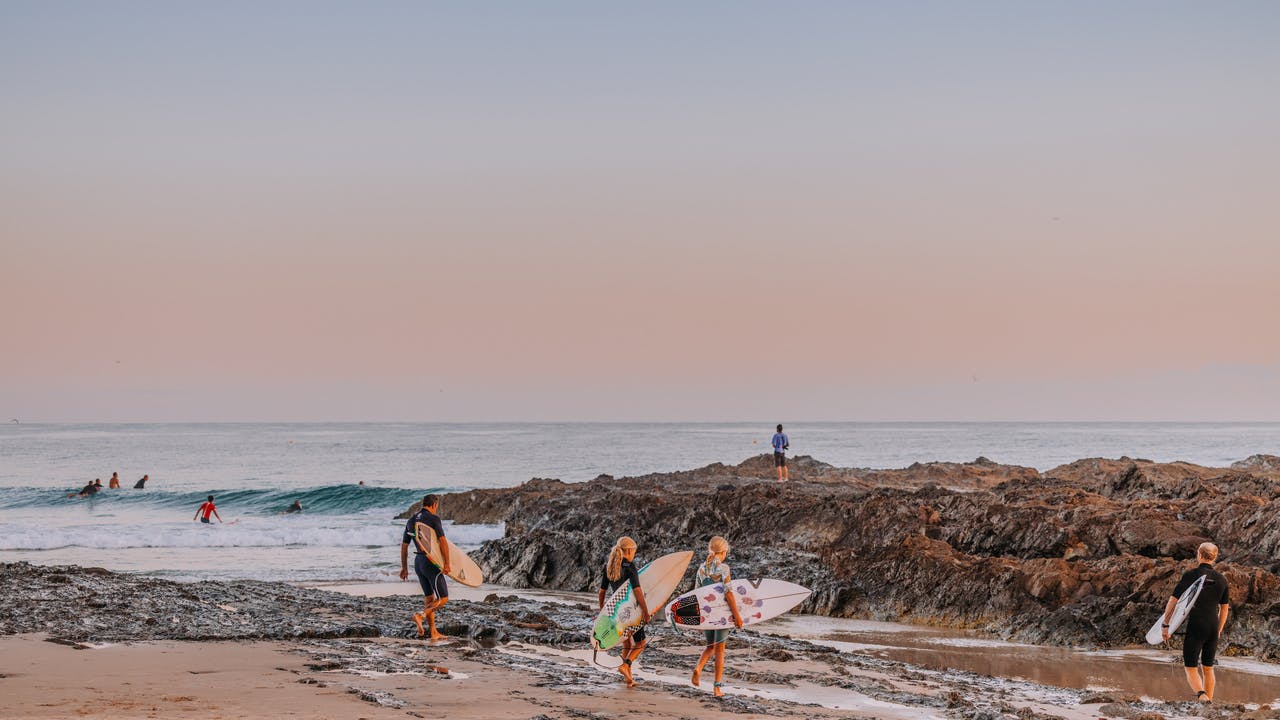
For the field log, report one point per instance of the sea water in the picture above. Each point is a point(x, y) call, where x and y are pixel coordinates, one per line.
point(347, 531)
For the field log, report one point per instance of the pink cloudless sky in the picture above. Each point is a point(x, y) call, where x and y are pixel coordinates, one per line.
point(988, 211)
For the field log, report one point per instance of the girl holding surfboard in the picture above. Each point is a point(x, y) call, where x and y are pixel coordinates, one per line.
point(715, 572)
point(621, 569)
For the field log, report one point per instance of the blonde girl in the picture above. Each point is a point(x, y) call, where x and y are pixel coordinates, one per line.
point(714, 572)
point(621, 568)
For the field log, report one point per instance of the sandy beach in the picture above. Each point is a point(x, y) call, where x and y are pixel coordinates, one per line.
point(81, 642)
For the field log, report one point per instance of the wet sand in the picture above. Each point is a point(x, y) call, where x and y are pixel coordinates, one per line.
point(1151, 673)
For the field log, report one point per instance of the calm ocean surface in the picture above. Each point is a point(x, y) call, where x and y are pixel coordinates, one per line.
point(346, 532)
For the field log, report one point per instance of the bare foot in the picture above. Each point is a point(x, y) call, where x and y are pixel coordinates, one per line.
point(697, 677)
point(625, 669)
point(718, 692)
point(437, 637)
point(417, 620)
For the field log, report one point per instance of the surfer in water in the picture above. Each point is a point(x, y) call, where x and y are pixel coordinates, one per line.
point(114, 483)
point(1204, 623)
point(295, 507)
point(207, 508)
point(620, 569)
point(714, 572)
point(435, 591)
point(142, 482)
point(87, 490)
point(781, 444)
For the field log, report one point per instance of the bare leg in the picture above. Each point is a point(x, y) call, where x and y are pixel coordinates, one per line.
point(418, 617)
point(430, 612)
point(625, 667)
point(1193, 679)
point(719, 668)
point(785, 474)
point(1209, 682)
point(630, 657)
point(702, 661)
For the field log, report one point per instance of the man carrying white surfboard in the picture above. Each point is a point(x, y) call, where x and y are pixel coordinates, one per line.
point(1204, 623)
point(435, 590)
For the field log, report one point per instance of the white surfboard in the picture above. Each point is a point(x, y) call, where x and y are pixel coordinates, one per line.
point(461, 567)
point(620, 615)
point(758, 600)
point(1180, 613)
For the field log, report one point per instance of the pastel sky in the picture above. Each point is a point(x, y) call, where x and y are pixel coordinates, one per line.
point(660, 211)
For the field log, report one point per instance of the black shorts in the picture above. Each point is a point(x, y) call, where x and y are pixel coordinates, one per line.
point(1199, 648)
point(430, 577)
point(779, 459)
point(638, 636)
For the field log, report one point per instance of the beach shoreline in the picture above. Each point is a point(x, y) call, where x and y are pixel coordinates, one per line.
point(154, 648)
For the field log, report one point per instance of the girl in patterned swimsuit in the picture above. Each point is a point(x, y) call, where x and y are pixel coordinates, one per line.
point(714, 572)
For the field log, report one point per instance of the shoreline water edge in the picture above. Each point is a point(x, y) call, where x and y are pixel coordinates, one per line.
point(1081, 556)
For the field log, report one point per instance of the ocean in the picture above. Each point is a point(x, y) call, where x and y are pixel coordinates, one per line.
point(347, 532)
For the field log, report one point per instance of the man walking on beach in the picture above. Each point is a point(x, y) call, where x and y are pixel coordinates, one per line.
point(435, 591)
point(1204, 623)
point(780, 446)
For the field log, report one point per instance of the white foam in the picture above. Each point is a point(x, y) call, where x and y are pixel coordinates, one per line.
point(319, 531)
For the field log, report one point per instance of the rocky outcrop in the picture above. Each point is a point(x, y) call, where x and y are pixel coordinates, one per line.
point(1084, 554)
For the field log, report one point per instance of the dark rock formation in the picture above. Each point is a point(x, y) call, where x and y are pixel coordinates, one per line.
point(1086, 553)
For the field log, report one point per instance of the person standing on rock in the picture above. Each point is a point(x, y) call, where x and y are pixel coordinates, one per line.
point(621, 568)
point(781, 444)
point(435, 591)
point(714, 572)
point(1204, 623)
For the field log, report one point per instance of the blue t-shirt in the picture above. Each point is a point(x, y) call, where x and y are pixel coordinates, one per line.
point(780, 442)
point(426, 517)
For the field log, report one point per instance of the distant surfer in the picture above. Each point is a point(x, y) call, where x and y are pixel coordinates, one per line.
point(87, 490)
point(714, 572)
point(435, 591)
point(142, 483)
point(1204, 623)
point(114, 484)
point(621, 569)
point(781, 444)
point(295, 507)
point(206, 509)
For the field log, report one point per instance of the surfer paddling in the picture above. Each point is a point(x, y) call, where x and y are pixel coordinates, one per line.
point(621, 569)
point(1204, 623)
point(435, 591)
point(781, 444)
point(714, 572)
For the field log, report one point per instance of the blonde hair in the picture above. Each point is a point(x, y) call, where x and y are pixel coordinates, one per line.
point(614, 570)
point(1207, 551)
point(715, 545)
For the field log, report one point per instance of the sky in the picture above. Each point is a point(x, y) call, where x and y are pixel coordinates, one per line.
point(669, 211)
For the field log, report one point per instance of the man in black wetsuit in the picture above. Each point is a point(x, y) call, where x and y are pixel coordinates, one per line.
point(1205, 623)
point(435, 591)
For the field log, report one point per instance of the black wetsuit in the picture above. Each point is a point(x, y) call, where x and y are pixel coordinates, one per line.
point(1201, 643)
point(89, 489)
point(430, 577)
point(140, 485)
point(628, 574)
